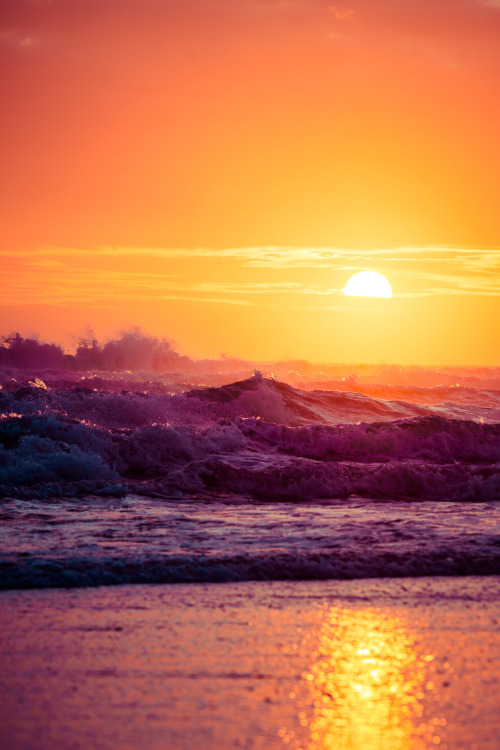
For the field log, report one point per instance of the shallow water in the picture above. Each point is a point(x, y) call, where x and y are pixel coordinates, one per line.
point(135, 539)
point(408, 664)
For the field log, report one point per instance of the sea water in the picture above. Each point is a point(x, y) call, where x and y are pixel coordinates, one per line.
point(379, 664)
point(131, 477)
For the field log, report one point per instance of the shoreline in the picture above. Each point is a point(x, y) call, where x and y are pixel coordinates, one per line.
point(399, 664)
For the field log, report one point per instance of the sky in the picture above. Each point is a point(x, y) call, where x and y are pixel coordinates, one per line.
point(214, 171)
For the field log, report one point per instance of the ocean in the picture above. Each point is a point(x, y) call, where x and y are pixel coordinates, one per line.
point(292, 472)
point(210, 556)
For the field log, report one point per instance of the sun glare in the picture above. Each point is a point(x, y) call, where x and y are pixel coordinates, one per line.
point(368, 284)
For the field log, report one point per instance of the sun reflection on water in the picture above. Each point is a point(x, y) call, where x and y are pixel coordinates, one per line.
point(366, 685)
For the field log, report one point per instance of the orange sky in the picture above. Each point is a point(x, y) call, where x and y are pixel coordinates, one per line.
point(215, 170)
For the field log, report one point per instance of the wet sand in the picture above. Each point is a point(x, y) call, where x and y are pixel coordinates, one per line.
point(375, 664)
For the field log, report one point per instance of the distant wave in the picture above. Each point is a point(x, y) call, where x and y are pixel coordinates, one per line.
point(135, 354)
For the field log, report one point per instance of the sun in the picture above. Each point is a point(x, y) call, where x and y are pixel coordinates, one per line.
point(368, 284)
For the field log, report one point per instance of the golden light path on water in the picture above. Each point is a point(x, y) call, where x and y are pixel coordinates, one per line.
point(367, 684)
point(310, 665)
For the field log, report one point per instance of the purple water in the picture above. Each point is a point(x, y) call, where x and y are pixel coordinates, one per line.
point(111, 477)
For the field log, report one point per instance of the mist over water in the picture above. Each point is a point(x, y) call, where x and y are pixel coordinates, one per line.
point(213, 470)
point(135, 352)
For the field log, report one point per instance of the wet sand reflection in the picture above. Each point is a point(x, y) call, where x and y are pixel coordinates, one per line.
point(349, 665)
point(367, 684)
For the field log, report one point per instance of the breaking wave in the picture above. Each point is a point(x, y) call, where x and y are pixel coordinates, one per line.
point(257, 437)
point(157, 474)
point(96, 571)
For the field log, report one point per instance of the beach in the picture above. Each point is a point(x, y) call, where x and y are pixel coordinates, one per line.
point(399, 664)
point(249, 564)
point(250, 375)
